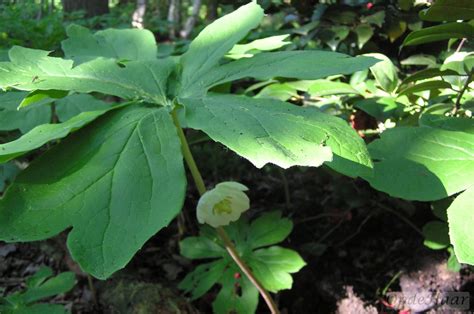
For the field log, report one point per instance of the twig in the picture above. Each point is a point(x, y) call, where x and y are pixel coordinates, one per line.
point(327, 234)
point(401, 217)
point(460, 45)
point(320, 216)
point(359, 229)
point(457, 105)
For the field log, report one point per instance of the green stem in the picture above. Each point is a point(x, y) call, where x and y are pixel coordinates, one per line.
point(230, 247)
point(188, 157)
point(457, 105)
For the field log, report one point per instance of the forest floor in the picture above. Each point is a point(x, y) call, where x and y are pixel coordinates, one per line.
point(356, 242)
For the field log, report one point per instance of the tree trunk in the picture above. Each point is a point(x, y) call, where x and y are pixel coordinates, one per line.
point(51, 7)
point(174, 17)
point(191, 21)
point(212, 10)
point(91, 7)
point(139, 14)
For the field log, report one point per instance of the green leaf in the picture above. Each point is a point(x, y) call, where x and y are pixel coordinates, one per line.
point(8, 172)
point(200, 247)
point(449, 10)
point(24, 120)
point(436, 235)
point(270, 131)
point(116, 182)
point(420, 59)
point(438, 33)
point(460, 62)
point(59, 284)
point(461, 220)
point(291, 64)
point(422, 163)
point(334, 35)
point(207, 49)
point(34, 309)
point(380, 108)
point(31, 69)
point(45, 133)
point(364, 33)
point(273, 267)
point(375, 19)
point(327, 88)
point(268, 229)
point(203, 278)
point(440, 208)
point(42, 97)
point(281, 92)
point(39, 277)
point(447, 123)
point(230, 299)
point(425, 86)
point(39, 286)
point(257, 46)
point(121, 44)
point(385, 72)
point(73, 105)
point(453, 263)
point(427, 74)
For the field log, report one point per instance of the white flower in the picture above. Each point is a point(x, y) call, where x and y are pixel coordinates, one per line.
point(223, 204)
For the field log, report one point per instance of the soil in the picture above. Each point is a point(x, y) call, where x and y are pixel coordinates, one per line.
point(358, 247)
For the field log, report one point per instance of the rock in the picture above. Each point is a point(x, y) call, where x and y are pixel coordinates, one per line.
point(352, 304)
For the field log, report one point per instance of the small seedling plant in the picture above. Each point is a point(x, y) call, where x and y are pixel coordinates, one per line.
point(40, 286)
point(272, 265)
point(114, 173)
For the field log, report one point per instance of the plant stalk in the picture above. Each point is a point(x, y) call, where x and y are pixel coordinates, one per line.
point(457, 105)
point(196, 174)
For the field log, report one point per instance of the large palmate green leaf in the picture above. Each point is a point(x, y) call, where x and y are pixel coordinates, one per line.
point(24, 120)
point(73, 105)
point(422, 163)
point(120, 44)
point(438, 33)
point(270, 131)
point(41, 97)
point(45, 133)
point(116, 182)
point(31, 69)
point(290, 64)
point(257, 46)
point(207, 49)
point(461, 220)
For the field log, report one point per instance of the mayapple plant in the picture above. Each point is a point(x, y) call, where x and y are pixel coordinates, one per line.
point(118, 176)
point(256, 242)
